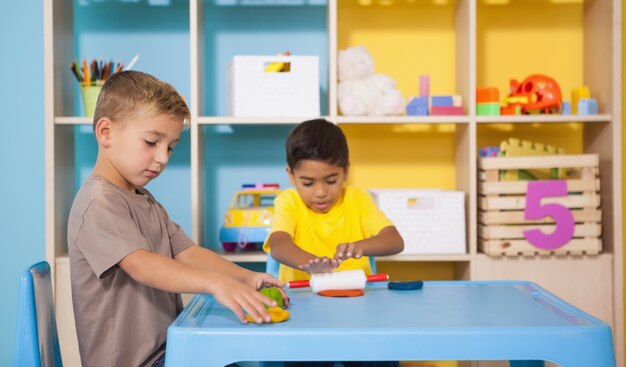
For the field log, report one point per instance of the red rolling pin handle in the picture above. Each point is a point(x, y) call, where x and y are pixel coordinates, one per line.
point(377, 278)
point(299, 284)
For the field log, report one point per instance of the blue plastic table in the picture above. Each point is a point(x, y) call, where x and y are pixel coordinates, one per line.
point(516, 321)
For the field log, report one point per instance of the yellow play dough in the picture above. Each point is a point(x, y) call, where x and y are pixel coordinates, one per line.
point(277, 314)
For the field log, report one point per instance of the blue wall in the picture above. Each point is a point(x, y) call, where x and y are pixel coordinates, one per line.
point(21, 154)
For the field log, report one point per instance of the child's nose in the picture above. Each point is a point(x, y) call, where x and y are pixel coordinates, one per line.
point(162, 156)
point(320, 192)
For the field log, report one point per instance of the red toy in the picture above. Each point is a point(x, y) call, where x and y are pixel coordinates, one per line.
point(536, 94)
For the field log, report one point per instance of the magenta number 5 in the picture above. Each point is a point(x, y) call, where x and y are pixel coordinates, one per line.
point(563, 219)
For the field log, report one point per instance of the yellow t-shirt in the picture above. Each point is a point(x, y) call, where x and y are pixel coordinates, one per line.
point(354, 217)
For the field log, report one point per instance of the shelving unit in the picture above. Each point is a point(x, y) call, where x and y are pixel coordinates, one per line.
point(452, 41)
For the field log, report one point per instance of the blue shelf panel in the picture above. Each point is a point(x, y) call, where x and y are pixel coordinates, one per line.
point(260, 30)
point(237, 154)
point(156, 30)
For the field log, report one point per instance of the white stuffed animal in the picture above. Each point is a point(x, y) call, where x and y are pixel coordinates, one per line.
point(361, 92)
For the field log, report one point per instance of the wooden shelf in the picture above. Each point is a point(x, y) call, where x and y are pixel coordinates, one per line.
point(260, 256)
point(228, 120)
point(543, 119)
point(402, 119)
point(73, 120)
point(425, 258)
point(244, 256)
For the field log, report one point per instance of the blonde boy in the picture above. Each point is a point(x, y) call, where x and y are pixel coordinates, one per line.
point(129, 261)
point(322, 226)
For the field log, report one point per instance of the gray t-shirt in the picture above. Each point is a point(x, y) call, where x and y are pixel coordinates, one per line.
point(119, 321)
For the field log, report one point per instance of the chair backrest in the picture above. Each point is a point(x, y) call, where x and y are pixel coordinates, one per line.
point(271, 265)
point(36, 337)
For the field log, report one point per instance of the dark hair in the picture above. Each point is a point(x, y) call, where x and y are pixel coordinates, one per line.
point(129, 92)
point(318, 140)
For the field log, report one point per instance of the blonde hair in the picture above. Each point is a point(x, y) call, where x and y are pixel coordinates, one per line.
point(127, 93)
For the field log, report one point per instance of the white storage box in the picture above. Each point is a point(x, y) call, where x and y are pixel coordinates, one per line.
point(256, 92)
point(429, 221)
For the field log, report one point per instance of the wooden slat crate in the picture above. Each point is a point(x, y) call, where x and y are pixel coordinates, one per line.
point(501, 205)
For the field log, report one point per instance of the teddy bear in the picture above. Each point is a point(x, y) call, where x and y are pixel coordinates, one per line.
point(361, 92)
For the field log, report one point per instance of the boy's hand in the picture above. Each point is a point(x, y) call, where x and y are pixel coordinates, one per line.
point(320, 265)
point(259, 281)
point(348, 250)
point(236, 296)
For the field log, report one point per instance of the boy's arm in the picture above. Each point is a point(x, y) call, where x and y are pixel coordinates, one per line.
point(288, 253)
point(387, 242)
point(164, 273)
point(203, 258)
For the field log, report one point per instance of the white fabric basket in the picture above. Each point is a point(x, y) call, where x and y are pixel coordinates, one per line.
point(429, 221)
point(253, 92)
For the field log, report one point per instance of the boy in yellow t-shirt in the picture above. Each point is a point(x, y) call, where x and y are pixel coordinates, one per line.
point(322, 226)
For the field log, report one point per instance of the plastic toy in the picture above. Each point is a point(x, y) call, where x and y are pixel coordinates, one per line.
point(417, 107)
point(487, 101)
point(578, 94)
point(588, 106)
point(516, 148)
point(487, 95)
point(543, 93)
point(424, 85)
point(488, 109)
point(247, 220)
point(446, 111)
point(441, 101)
point(279, 67)
point(511, 110)
point(457, 100)
point(361, 92)
point(567, 108)
point(489, 152)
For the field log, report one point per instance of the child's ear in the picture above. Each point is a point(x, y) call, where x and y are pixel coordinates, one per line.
point(346, 170)
point(103, 131)
point(292, 179)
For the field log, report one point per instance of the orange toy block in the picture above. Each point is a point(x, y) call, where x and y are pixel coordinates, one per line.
point(487, 95)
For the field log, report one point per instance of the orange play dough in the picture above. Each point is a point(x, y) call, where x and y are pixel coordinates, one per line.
point(341, 293)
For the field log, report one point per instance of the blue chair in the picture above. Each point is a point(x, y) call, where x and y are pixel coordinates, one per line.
point(36, 337)
point(271, 265)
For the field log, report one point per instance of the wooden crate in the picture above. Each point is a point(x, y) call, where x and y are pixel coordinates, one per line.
point(501, 204)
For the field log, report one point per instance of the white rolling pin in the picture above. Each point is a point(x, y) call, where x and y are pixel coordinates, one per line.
point(340, 280)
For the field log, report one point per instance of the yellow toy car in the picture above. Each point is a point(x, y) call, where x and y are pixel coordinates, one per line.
point(247, 221)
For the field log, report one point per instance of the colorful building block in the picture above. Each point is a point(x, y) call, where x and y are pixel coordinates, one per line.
point(588, 106)
point(488, 109)
point(566, 108)
point(578, 94)
point(489, 152)
point(457, 101)
point(511, 110)
point(418, 106)
point(424, 85)
point(441, 101)
point(487, 95)
point(446, 111)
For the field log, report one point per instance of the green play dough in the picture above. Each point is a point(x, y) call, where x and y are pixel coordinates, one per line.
point(274, 294)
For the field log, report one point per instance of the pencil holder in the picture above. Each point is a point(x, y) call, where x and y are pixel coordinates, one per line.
point(90, 97)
